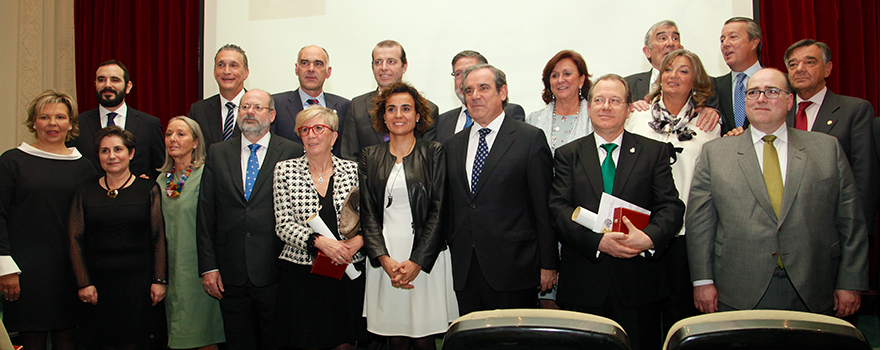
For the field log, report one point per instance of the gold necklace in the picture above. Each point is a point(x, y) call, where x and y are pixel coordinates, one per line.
point(115, 192)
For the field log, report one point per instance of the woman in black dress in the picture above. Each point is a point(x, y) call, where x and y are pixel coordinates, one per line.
point(117, 246)
point(37, 181)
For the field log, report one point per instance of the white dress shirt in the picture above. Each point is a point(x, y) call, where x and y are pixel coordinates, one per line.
point(812, 110)
point(462, 119)
point(261, 154)
point(474, 141)
point(119, 120)
point(223, 110)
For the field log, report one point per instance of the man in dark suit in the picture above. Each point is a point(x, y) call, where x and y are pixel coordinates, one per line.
point(613, 274)
point(112, 83)
point(499, 172)
point(312, 69)
point(389, 64)
point(457, 119)
point(846, 118)
point(217, 114)
point(774, 220)
point(740, 46)
point(235, 225)
point(661, 39)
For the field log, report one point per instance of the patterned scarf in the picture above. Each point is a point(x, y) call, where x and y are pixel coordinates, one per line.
point(666, 123)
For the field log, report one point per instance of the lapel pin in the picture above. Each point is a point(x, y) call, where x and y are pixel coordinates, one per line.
point(632, 150)
point(830, 122)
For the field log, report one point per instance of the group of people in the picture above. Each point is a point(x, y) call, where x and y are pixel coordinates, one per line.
point(434, 215)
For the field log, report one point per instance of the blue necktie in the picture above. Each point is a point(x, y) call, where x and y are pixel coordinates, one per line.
point(110, 117)
point(312, 102)
point(739, 100)
point(468, 121)
point(479, 159)
point(253, 168)
point(608, 168)
point(230, 120)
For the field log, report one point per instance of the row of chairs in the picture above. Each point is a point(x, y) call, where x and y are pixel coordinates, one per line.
point(527, 329)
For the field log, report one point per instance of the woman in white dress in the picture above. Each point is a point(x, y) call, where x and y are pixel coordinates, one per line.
point(566, 83)
point(682, 89)
point(409, 295)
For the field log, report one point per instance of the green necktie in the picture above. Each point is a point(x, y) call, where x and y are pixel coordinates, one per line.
point(608, 167)
point(773, 180)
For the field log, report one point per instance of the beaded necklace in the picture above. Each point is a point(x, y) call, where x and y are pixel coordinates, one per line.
point(173, 189)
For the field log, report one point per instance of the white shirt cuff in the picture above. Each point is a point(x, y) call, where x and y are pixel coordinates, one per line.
point(698, 283)
point(8, 266)
point(203, 273)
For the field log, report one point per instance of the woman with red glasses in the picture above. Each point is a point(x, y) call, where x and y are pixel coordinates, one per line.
point(314, 311)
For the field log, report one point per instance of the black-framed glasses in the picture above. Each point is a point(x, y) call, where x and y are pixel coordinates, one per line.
point(771, 93)
point(318, 128)
point(257, 108)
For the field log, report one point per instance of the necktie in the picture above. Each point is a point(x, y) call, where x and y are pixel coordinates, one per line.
point(608, 168)
point(110, 117)
point(773, 180)
point(253, 168)
point(468, 121)
point(800, 119)
point(230, 120)
point(739, 100)
point(480, 158)
point(312, 102)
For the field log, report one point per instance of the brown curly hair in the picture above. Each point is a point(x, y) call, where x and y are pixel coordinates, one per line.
point(422, 108)
point(703, 87)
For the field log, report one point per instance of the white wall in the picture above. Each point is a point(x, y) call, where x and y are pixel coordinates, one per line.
point(517, 36)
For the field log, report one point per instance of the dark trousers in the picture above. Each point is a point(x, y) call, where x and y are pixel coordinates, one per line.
point(680, 303)
point(642, 324)
point(248, 312)
point(477, 295)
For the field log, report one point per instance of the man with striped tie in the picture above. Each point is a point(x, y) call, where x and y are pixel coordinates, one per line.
point(312, 69)
point(216, 115)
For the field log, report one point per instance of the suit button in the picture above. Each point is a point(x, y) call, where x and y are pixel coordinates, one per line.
point(473, 206)
point(248, 235)
point(773, 254)
point(248, 209)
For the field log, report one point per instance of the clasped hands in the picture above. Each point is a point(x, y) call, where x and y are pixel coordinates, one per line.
point(340, 252)
point(401, 273)
point(625, 245)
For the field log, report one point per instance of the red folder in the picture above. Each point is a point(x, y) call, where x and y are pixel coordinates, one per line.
point(324, 266)
point(639, 220)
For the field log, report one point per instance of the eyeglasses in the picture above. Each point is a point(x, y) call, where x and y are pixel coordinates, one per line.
point(771, 93)
point(457, 74)
point(257, 108)
point(318, 128)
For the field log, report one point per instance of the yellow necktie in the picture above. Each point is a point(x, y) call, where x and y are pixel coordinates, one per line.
point(773, 180)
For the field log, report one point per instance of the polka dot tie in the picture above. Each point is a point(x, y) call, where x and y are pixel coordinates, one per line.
point(480, 158)
point(253, 168)
point(739, 100)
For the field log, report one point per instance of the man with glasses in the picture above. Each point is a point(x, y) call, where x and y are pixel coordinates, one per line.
point(457, 119)
point(235, 224)
point(774, 220)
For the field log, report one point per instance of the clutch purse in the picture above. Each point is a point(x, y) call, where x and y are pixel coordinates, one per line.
point(324, 266)
point(349, 220)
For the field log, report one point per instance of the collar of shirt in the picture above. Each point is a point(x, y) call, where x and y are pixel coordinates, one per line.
point(462, 119)
point(749, 73)
point(615, 154)
point(119, 120)
point(304, 98)
point(474, 142)
point(495, 125)
point(781, 145)
point(246, 153)
point(655, 74)
point(813, 110)
point(236, 101)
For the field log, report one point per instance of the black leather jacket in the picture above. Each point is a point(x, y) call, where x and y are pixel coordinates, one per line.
point(425, 169)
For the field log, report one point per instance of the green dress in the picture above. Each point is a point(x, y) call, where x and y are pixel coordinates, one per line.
point(194, 318)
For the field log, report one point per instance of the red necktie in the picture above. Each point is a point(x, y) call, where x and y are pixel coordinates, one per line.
point(800, 119)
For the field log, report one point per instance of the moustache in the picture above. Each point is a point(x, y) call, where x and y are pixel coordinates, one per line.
point(107, 89)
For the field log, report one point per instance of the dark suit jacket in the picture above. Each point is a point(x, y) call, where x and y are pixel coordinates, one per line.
point(444, 125)
point(149, 138)
point(644, 178)
point(207, 113)
point(849, 120)
point(233, 235)
point(359, 132)
point(288, 104)
point(639, 84)
point(505, 223)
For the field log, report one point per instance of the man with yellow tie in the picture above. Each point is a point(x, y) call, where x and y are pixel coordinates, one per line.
point(773, 218)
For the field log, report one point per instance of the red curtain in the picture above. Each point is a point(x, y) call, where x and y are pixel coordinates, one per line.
point(849, 27)
point(158, 40)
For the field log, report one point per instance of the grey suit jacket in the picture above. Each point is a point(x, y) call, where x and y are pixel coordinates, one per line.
point(849, 120)
point(639, 84)
point(444, 125)
point(359, 132)
point(149, 141)
point(288, 104)
point(733, 235)
point(208, 114)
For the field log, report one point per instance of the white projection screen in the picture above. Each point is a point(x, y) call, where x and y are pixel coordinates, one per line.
point(517, 36)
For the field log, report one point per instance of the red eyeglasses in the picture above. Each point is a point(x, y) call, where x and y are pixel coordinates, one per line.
point(318, 128)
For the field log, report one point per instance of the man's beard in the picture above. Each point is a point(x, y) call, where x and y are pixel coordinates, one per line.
point(248, 129)
point(120, 96)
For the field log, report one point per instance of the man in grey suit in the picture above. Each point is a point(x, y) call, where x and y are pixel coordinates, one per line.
point(312, 69)
point(756, 241)
point(216, 115)
point(235, 224)
point(389, 63)
point(661, 39)
point(846, 118)
point(457, 119)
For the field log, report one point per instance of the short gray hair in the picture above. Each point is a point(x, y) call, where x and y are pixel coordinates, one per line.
point(500, 78)
point(469, 53)
point(826, 51)
point(658, 25)
point(198, 154)
point(236, 48)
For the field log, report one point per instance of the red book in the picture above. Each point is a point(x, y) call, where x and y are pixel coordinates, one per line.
point(639, 220)
point(324, 266)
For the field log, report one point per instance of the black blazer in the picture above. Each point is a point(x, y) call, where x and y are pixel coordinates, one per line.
point(233, 235)
point(425, 170)
point(644, 178)
point(849, 120)
point(207, 113)
point(359, 132)
point(149, 138)
point(444, 125)
point(506, 222)
point(288, 104)
point(639, 84)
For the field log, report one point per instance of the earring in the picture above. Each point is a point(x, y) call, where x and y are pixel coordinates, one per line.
point(694, 92)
